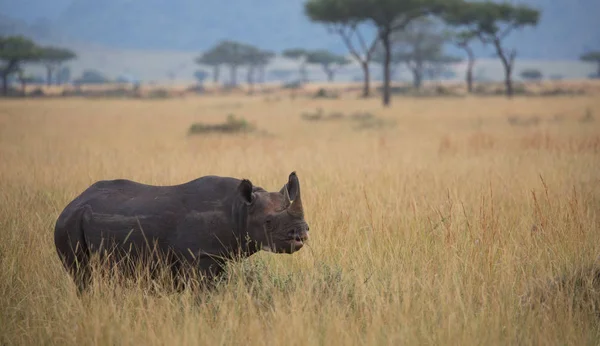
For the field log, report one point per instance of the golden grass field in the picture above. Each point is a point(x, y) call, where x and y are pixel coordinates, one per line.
point(443, 229)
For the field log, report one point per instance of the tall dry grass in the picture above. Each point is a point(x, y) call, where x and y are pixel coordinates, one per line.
point(444, 229)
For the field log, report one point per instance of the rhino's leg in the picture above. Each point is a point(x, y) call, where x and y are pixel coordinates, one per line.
point(72, 247)
point(210, 269)
point(205, 270)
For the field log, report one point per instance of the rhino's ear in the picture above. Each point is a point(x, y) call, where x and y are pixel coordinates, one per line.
point(245, 191)
point(292, 186)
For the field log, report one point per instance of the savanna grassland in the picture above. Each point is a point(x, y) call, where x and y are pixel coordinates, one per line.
point(461, 221)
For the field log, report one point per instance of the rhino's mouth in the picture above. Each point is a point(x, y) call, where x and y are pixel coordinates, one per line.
point(297, 244)
point(292, 245)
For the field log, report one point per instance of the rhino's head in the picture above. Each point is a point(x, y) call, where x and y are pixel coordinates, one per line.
point(275, 220)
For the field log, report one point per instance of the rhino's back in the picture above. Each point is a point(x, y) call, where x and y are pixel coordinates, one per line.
point(126, 197)
point(126, 211)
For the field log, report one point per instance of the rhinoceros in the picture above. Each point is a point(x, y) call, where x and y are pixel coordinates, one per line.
point(202, 224)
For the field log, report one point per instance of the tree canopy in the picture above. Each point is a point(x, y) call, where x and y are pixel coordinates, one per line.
point(329, 61)
point(420, 47)
point(14, 51)
point(294, 53)
point(492, 22)
point(593, 57)
point(19, 49)
point(590, 57)
point(463, 40)
point(531, 74)
point(298, 54)
point(332, 14)
point(387, 16)
point(56, 55)
point(52, 58)
point(200, 76)
point(91, 76)
point(235, 54)
point(256, 57)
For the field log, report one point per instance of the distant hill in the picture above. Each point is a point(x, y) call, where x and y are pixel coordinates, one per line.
point(567, 28)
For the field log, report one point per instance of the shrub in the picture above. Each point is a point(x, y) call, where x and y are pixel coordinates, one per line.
point(531, 74)
point(38, 92)
point(232, 124)
point(561, 92)
point(324, 94)
point(361, 120)
point(366, 120)
point(292, 85)
point(158, 94)
point(397, 90)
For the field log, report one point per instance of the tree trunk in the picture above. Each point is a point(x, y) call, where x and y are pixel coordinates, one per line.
point(48, 75)
point(417, 78)
point(250, 79)
point(366, 88)
point(216, 71)
point(470, 65)
point(508, 80)
point(261, 74)
point(469, 80)
point(10, 67)
point(233, 76)
point(303, 73)
point(385, 39)
point(507, 62)
point(5, 84)
point(23, 87)
point(330, 73)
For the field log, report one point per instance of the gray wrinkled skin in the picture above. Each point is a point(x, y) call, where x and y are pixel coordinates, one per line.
point(202, 223)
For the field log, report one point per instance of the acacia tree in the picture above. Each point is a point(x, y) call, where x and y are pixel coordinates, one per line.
point(437, 66)
point(214, 59)
point(234, 54)
point(280, 74)
point(492, 23)
point(420, 47)
point(92, 76)
point(592, 57)
point(463, 41)
point(52, 58)
point(531, 74)
point(63, 75)
point(332, 14)
point(388, 17)
point(299, 55)
point(260, 63)
point(329, 62)
point(14, 51)
point(24, 78)
point(200, 76)
point(256, 60)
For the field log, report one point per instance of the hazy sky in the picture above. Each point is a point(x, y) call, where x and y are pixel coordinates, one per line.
point(566, 29)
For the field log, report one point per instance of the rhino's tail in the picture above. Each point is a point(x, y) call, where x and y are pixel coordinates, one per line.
point(71, 245)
